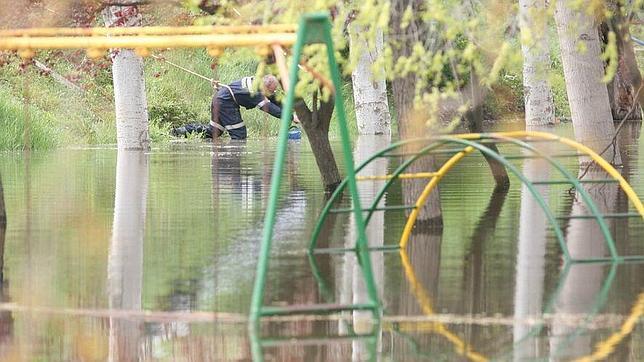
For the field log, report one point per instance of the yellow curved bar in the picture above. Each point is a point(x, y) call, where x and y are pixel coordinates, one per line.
point(147, 41)
point(626, 187)
point(422, 199)
point(151, 30)
point(426, 305)
point(401, 176)
point(606, 347)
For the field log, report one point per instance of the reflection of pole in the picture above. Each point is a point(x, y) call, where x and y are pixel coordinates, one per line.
point(530, 269)
point(582, 286)
point(125, 263)
point(353, 289)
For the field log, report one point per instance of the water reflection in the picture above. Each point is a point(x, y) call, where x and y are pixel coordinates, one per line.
point(125, 260)
point(474, 274)
point(530, 269)
point(201, 231)
point(353, 290)
point(6, 319)
point(581, 291)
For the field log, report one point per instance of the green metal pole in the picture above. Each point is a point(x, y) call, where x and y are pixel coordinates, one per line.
point(276, 181)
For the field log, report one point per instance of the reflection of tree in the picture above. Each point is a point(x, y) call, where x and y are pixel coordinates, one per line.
point(424, 250)
point(125, 263)
point(353, 290)
point(581, 289)
point(474, 274)
point(6, 320)
point(530, 269)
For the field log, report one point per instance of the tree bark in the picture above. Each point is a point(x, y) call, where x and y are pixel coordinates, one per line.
point(316, 125)
point(129, 85)
point(369, 92)
point(474, 121)
point(537, 95)
point(625, 90)
point(410, 124)
point(583, 70)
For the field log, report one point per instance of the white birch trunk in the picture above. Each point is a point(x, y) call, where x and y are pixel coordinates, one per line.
point(125, 260)
point(369, 90)
point(583, 71)
point(537, 95)
point(129, 85)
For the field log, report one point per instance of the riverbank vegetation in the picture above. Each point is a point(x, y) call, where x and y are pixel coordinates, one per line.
point(70, 99)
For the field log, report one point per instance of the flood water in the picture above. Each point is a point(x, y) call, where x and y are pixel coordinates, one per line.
point(151, 257)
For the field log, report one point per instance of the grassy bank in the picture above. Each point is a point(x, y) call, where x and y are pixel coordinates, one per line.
point(63, 116)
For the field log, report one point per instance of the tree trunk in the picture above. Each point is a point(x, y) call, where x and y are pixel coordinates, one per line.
point(411, 125)
point(537, 95)
point(625, 101)
point(129, 85)
point(474, 121)
point(369, 92)
point(316, 125)
point(583, 70)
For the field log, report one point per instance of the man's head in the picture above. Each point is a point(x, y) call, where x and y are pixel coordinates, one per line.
point(270, 84)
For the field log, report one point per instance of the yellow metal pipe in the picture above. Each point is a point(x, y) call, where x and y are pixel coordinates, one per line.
point(401, 176)
point(151, 30)
point(626, 187)
point(422, 199)
point(425, 303)
point(604, 348)
point(147, 41)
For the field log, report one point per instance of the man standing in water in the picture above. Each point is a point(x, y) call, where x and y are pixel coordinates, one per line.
point(225, 111)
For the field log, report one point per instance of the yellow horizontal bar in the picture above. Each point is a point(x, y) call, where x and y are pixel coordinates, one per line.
point(147, 41)
point(401, 176)
point(151, 30)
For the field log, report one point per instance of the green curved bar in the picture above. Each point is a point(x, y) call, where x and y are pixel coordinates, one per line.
point(542, 203)
point(398, 171)
point(334, 197)
point(584, 195)
point(340, 188)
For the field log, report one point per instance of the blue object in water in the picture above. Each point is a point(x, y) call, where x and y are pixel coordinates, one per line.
point(294, 133)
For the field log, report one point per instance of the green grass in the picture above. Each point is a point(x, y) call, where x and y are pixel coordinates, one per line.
point(13, 120)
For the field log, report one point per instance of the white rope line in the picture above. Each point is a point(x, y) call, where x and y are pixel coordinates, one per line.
point(600, 321)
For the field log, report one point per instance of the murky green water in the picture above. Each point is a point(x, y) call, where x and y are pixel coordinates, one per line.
point(152, 257)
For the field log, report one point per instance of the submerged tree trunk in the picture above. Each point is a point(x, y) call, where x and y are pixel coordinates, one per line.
point(537, 95)
point(583, 70)
point(474, 122)
point(129, 85)
point(316, 125)
point(369, 92)
point(625, 100)
point(410, 122)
